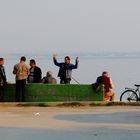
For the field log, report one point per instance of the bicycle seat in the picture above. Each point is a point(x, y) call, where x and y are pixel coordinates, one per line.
point(137, 85)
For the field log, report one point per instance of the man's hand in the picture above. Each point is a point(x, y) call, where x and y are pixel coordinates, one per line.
point(55, 55)
point(77, 59)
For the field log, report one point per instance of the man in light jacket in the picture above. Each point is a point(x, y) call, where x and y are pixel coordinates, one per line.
point(21, 70)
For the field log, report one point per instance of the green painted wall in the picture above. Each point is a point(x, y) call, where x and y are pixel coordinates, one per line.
point(55, 93)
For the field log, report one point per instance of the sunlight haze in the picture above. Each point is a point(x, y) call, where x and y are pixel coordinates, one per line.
point(69, 25)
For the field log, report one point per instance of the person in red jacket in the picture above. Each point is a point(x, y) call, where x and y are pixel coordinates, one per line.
point(108, 86)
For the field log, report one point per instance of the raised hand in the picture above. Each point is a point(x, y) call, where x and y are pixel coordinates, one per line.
point(55, 55)
point(77, 59)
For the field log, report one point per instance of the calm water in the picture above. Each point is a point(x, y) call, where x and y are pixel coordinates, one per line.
point(124, 69)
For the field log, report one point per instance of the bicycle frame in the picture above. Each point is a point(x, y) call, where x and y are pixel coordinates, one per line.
point(136, 90)
point(131, 94)
point(138, 93)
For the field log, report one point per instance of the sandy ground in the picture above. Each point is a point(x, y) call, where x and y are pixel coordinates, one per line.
point(54, 122)
point(43, 117)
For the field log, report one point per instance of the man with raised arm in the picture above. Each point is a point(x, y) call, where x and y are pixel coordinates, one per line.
point(65, 69)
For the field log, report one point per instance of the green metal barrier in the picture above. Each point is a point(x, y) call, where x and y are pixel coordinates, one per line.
point(55, 93)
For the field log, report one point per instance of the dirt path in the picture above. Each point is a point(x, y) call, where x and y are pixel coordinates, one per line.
point(43, 117)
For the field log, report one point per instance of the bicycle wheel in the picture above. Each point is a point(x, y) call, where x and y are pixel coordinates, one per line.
point(129, 96)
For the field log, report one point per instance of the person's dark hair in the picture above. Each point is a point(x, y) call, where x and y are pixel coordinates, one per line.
point(23, 58)
point(32, 61)
point(67, 57)
point(104, 72)
point(1, 59)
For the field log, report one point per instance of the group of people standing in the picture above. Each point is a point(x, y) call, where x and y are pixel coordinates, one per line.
point(33, 74)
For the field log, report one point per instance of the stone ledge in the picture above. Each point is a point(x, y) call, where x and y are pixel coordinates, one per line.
point(67, 104)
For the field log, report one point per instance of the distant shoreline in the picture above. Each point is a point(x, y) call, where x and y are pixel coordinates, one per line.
point(82, 55)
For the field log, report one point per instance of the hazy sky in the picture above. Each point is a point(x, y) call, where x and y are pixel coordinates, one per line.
point(69, 25)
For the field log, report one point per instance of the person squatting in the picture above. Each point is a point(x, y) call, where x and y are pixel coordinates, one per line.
point(108, 86)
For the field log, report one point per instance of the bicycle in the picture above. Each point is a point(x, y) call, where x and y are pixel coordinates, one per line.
point(131, 95)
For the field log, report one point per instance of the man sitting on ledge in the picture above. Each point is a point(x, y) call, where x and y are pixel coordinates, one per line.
point(108, 86)
point(48, 79)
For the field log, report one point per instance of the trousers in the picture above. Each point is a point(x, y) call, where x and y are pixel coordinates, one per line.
point(20, 90)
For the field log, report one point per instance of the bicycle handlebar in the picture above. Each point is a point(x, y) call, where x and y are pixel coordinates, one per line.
point(137, 85)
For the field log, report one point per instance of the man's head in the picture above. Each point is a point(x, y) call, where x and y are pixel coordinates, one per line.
point(67, 59)
point(105, 73)
point(23, 58)
point(1, 61)
point(49, 73)
point(32, 63)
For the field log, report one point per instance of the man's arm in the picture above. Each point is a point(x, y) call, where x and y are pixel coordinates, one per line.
point(55, 60)
point(76, 63)
point(14, 70)
point(111, 83)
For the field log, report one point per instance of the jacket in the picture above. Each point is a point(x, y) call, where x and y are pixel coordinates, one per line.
point(65, 70)
point(106, 81)
point(21, 70)
point(2, 76)
point(37, 75)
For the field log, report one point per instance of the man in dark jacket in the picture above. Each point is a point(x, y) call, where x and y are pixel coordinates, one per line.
point(2, 79)
point(65, 69)
point(35, 74)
